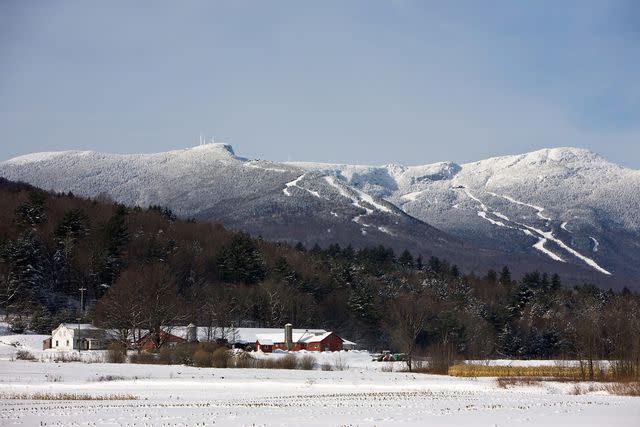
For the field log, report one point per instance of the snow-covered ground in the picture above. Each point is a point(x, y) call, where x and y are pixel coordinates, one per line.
point(181, 396)
point(365, 393)
point(362, 395)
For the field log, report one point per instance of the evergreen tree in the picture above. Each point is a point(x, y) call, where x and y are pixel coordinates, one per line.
point(41, 321)
point(108, 262)
point(74, 225)
point(492, 277)
point(362, 302)
point(32, 213)
point(406, 259)
point(505, 276)
point(241, 261)
point(28, 270)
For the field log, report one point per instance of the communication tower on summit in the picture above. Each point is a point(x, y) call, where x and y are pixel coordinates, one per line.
point(204, 140)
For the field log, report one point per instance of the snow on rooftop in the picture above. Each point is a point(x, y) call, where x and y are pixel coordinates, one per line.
point(243, 335)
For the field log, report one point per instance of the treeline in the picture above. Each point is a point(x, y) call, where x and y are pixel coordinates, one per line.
point(144, 268)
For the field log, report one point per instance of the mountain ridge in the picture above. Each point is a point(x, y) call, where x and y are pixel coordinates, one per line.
point(566, 207)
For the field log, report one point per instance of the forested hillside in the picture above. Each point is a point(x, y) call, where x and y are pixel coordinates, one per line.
point(143, 267)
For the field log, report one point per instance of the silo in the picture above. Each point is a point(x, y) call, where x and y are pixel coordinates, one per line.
point(288, 336)
point(192, 333)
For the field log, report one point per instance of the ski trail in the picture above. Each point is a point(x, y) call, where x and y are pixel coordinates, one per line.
point(412, 196)
point(539, 209)
point(361, 197)
point(294, 183)
point(540, 246)
point(290, 184)
point(483, 213)
point(596, 244)
point(471, 196)
point(549, 235)
point(564, 226)
point(543, 236)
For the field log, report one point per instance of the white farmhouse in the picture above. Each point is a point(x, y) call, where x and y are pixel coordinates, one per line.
point(74, 336)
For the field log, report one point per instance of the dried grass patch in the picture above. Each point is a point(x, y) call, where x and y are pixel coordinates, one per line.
point(624, 388)
point(507, 382)
point(555, 372)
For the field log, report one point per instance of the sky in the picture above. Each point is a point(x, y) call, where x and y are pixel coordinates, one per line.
point(369, 82)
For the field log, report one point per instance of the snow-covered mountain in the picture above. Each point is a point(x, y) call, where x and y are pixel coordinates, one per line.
point(561, 209)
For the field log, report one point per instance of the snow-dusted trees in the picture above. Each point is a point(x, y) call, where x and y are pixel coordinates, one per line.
point(32, 213)
point(27, 275)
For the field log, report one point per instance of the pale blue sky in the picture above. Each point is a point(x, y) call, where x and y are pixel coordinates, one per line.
point(347, 81)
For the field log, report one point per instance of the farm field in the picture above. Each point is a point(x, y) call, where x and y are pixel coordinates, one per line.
point(364, 394)
point(184, 396)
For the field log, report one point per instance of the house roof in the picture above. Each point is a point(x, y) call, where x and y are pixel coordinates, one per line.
point(76, 325)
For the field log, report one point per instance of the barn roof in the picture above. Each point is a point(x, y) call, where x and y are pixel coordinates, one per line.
point(300, 337)
point(239, 335)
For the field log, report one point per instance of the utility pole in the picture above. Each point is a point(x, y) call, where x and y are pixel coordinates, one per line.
point(80, 316)
point(82, 291)
point(78, 340)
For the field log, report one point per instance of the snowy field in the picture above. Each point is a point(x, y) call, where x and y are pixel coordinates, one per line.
point(362, 395)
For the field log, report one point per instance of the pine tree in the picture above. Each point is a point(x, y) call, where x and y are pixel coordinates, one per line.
point(32, 213)
point(362, 302)
point(41, 321)
point(505, 276)
point(28, 269)
point(406, 259)
point(74, 225)
point(241, 261)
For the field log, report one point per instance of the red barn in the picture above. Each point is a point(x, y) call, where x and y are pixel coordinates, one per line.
point(326, 341)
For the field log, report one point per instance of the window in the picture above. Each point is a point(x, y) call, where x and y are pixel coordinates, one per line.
point(67, 343)
point(56, 343)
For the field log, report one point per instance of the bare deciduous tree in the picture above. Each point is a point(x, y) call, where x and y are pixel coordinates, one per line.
point(407, 319)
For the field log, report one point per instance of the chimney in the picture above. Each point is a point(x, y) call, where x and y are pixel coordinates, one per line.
point(288, 336)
